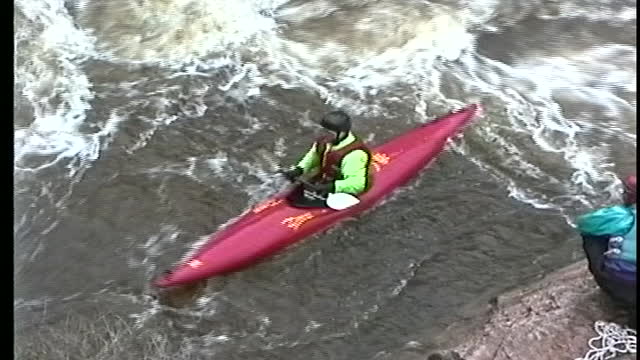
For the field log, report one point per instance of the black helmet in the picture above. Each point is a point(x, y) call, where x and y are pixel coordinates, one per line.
point(337, 121)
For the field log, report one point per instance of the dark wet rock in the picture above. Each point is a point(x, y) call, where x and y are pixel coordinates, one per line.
point(552, 319)
point(180, 296)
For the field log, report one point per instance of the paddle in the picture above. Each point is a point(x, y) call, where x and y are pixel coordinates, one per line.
point(335, 201)
point(341, 201)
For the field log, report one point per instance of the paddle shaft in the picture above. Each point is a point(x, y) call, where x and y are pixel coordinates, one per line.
point(309, 193)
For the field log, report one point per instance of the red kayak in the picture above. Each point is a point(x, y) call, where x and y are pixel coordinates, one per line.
point(274, 224)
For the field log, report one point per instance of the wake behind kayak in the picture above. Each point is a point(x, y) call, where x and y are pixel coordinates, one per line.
point(274, 224)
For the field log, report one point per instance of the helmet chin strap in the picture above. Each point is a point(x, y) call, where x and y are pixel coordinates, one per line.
point(340, 135)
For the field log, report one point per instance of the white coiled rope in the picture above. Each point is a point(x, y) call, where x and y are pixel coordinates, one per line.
point(613, 340)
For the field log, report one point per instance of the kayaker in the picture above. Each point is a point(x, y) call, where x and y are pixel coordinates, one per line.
point(609, 241)
point(334, 164)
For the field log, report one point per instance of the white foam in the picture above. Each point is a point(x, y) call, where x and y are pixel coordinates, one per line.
point(50, 57)
point(219, 163)
point(196, 245)
point(312, 325)
point(305, 11)
point(172, 33)
point(535, 112)
point(216, 339)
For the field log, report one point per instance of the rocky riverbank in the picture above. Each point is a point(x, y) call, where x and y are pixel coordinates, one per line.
point(552, 319)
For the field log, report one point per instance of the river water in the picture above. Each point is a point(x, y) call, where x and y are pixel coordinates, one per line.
point(142, 126)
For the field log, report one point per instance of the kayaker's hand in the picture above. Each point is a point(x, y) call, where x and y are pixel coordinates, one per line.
point(292, 174)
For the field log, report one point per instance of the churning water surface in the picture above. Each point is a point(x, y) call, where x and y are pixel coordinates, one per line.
point(141, 126)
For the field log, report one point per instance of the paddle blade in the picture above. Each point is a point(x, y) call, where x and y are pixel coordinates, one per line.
point(341, 201)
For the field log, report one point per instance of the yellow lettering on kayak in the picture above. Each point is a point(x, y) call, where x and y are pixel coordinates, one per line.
point(380, 159)
point(195, 263)
point(294, 222)
point(266, 205)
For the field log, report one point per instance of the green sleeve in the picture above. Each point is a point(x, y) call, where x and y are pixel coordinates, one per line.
point(354, 172)
point(310, 160)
